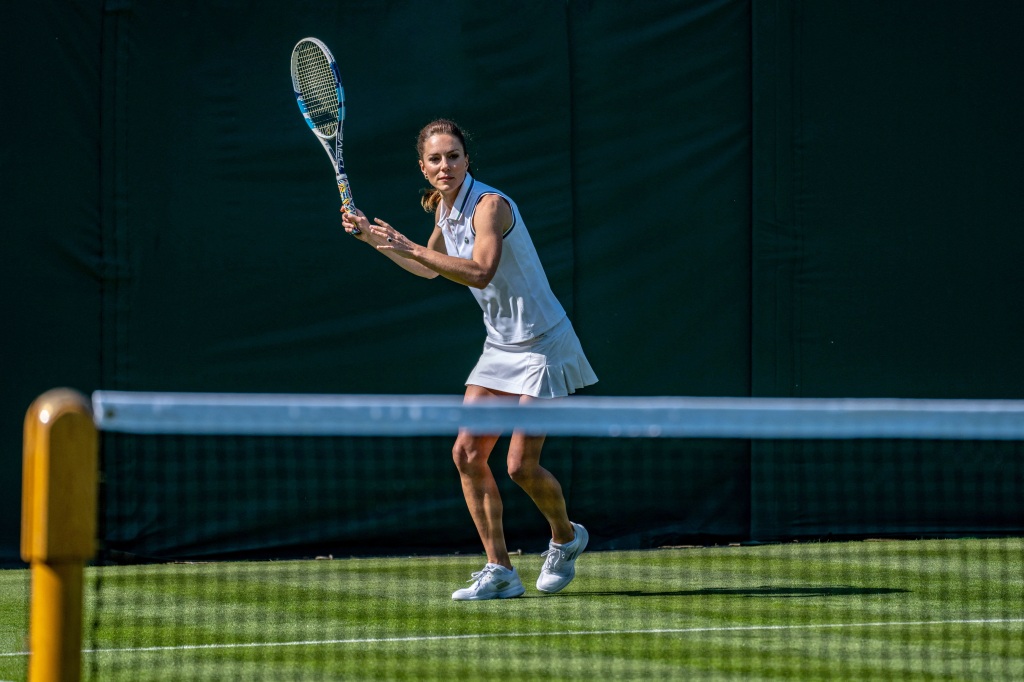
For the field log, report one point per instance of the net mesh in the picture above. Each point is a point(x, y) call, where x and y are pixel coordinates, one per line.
point(320, 537)
point(318, 86)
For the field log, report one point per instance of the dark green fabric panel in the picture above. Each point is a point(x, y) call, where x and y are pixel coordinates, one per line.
point(195, 497)
point(201, 497)
point(281, 300)
point(240, 275)
point(661, 181)
point(661, 205)
point(49, 233)
point(181, 232)
point(221, 263)
point(886, 252)
point(655, 492)
point(874, 488)
point(887, 240)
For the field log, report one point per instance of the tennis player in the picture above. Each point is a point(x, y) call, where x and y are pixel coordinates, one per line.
point(531, 350)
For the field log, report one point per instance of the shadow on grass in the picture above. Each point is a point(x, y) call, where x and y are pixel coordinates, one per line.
point(774, 591)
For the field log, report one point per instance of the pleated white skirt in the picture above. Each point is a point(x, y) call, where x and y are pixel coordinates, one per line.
point(551, 365)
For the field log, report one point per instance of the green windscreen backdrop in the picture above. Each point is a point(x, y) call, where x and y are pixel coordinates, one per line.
point(888, 209)
point(730, 198)
point(887, 244)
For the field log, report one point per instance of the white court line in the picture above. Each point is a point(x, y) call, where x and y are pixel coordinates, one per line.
point(565, 633)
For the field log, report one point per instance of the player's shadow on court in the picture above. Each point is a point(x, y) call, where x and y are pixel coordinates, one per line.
point(785, 591)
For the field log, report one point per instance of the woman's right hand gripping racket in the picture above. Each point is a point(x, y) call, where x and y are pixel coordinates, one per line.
point(321, 98)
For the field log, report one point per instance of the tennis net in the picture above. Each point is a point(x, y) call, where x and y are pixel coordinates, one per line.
point(278, 537)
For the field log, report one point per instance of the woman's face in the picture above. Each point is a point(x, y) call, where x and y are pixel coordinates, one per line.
point(444, 162)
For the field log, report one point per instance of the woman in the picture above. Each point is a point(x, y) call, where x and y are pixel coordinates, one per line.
point(530, 352)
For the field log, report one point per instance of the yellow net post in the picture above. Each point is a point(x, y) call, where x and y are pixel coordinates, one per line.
point(58, 531)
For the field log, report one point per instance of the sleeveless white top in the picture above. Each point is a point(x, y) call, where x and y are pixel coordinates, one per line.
point(518, 304)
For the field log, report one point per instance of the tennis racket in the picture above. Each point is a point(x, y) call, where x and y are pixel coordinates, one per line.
point(317, 86)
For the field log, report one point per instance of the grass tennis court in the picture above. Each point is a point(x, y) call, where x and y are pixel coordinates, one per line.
point(929, 609)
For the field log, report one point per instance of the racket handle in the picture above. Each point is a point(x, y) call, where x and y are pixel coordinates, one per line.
point(347, 204)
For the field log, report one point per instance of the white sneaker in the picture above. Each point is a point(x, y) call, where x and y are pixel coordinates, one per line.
point(560, 565)
point(493, 582)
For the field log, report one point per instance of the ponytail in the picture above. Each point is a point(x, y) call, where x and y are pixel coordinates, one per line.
point(430, 199)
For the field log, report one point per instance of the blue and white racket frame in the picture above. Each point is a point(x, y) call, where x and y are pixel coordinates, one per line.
point(332, 142)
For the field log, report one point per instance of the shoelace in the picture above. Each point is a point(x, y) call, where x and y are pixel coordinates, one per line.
point(479, 575)
point(555, 557)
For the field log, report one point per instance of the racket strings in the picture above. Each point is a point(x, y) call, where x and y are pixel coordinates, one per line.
point(318, 87)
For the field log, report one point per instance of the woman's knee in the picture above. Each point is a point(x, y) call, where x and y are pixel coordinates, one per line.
point(522, 472)
point(468, 457)
point(524, 458)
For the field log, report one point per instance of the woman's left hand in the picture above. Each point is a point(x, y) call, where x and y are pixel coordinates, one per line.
point(391, 239)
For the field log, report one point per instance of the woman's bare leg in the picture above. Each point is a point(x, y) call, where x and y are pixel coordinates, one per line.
point(540, 484)
point(470, 453)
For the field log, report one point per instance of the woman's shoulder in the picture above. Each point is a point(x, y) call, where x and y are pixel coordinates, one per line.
point(479, 188)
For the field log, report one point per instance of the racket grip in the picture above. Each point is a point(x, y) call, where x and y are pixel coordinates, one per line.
point(345, 191)
point(347, 204)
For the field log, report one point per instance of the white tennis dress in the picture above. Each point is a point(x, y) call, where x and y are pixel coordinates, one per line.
point(531, 347)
